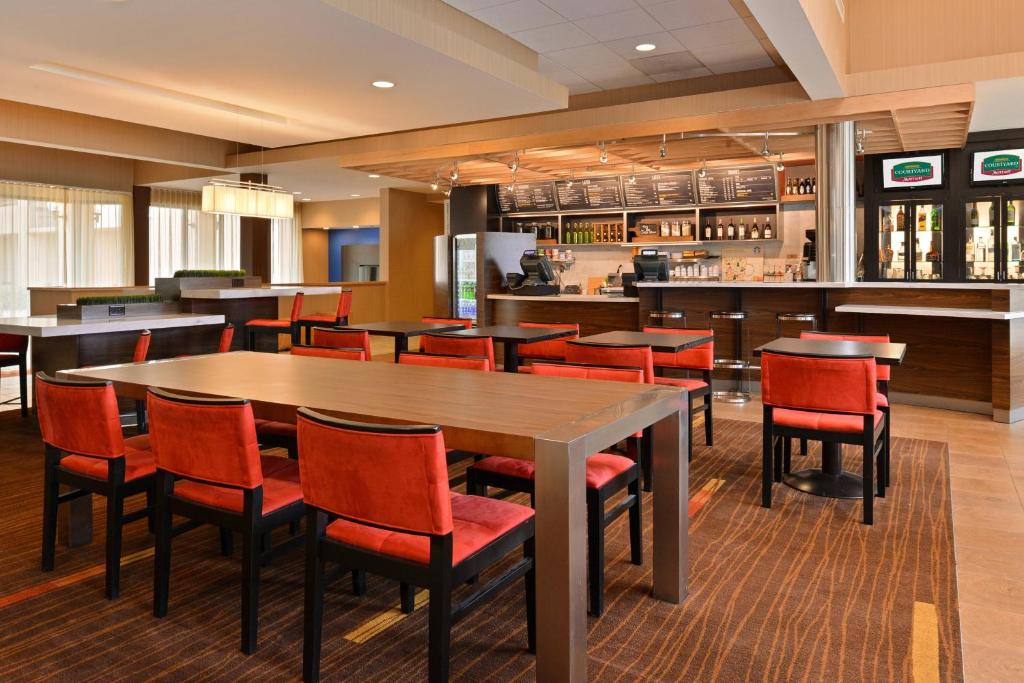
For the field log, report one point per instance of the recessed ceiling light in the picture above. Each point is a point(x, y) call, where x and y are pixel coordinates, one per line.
point(373, 175)
point(306, 199)
point(296, 193)
point(383, 84)
point(646, 47)
point(355, 195)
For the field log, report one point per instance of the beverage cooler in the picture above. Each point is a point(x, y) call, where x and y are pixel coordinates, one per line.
point(464, 276)
point(992, 241)
point(910, 241)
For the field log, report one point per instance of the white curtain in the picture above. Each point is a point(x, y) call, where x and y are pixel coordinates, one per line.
point(286, 249)
point(54, 236)
point(182, 236)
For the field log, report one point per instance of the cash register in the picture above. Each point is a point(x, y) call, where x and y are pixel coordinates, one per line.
point(536, 278)
point(650, 266)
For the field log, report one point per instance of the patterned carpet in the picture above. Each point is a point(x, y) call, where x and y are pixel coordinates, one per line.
point(802, 592)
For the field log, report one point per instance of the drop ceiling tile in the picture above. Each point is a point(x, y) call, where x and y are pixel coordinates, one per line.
point(717, 34)
point(555, 37)
point(581, 9)
point(695, 72)
point(586, 55)
point(519, 15)
point(473, 5)
point(746, 65)
point(634, 22)
point(728, 54)
point(684, 13)
point(626, 47)
point(674, 61)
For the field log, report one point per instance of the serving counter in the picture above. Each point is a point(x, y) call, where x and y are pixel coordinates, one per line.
point(594, 313)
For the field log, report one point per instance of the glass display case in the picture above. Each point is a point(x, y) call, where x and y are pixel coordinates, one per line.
point(910, 241)
point(1013, 258)
point(892, 220)
point(982, 220)
point(927, 263)
point(464, 282)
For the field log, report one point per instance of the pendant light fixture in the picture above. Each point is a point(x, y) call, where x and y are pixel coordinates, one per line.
point(246, 198)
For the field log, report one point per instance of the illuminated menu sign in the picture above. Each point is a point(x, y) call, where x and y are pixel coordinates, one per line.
point(902, 173)
point(525, 197)
point(589, 193)
point(742, 184)
point(660, 189)
point(997, 166)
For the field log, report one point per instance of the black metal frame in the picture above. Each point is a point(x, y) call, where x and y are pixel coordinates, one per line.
point(438, 576)
point(307, 326)
point(19, 358)
point(251, 331)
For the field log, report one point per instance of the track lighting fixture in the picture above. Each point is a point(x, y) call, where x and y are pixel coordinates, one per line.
point(766, 152)
point(703, 171)
point(571, 181)
point(663, 150)
point(861, 134)
point(514, 164)
point(779, 166)
point(454, 175)
point(603, 157)
point(632, 176)
point(434, 183)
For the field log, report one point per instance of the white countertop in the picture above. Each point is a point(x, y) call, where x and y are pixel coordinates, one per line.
point(931, 311)
point(49, 326)
point(255, 292)
point(841, 285)
point(601, 298)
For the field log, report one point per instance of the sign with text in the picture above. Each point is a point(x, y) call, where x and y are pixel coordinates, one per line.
point(998, 166)
point(738, 184)
point(908, 172)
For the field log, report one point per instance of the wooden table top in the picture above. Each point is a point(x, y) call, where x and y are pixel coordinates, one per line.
point(404, 328)
point(883, 353)
point(514, 333)
point(662, 343)
point(489, 412)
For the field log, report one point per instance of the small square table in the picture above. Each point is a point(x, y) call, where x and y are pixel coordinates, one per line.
point(662, 343)
point(401, 330)
point(512, 336)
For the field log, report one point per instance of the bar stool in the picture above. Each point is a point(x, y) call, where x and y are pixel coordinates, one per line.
point(667, 319)
point(795, 317)
point(737, 363)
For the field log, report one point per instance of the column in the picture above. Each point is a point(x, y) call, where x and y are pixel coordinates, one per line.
point(836, 210)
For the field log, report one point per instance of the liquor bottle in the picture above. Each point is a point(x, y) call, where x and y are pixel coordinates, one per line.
point(1015, 248)
point(970, 252)
point(814, 185)
point(755, 232)
point(720, 231)
point(800, 186)
point(730, 231)
point(922, 221)
point(741, 231)
point(973, 218)
point(900, 219)
point(1011, 213)
point(933, 254)
point(707, 230)
point(936, 219)
point(767, 228)
point(886, 222)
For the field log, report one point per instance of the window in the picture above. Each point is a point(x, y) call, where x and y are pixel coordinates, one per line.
point(61, 237)
point(182, 236)
point(286, 250)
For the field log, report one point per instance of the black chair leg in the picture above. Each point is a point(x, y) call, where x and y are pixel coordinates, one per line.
point(777, 457)
point(880, 473)
point(407, 597)
point(767, 448)
point(636, 538)
point(313, 613)
point(787, 455)
point(162, 554)
point(709, 430)
point(227, 542)
point(595, 551)
point(646, 453)
point(51, 490)
point(440, 619)
point(250, 587)
point(358, 582)
point(888, 461)
point(141, 426)
point(803, 446)
point(115, 522)
point(869, 484)
point(23, 383)
point(530, 579)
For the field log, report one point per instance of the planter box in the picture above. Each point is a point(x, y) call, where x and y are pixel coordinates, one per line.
point(170, 288)
point(103, 311)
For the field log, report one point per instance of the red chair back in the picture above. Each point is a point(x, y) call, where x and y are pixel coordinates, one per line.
point(13, 343)
point(226, 336)
point(342, 339)
point(612, 355)
point(590, 372)
point(552, 349)
point(142, 346)
point(79, 417)
point(465, 322)
point(212, 440)
point(835, 385)
point(344, 304)
point(884, 371)
point(342, 465)
point(329, 352)
point(457, 362)
point(447, 345)
point(698, 358)
point(297, 307)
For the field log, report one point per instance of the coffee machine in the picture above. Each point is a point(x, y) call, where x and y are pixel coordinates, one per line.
point(810, 266)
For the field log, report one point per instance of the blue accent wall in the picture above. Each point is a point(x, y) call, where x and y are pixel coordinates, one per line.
point(336, 239)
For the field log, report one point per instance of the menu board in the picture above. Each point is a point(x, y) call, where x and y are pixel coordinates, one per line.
point(738, 184)
point(660, 189)
point(524, 197)
point(589, 193)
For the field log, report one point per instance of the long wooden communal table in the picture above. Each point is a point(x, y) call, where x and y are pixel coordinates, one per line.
point(487, 412)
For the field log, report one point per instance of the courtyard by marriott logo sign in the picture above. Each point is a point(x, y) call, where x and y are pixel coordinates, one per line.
point(912, 172)
point(1000, 165)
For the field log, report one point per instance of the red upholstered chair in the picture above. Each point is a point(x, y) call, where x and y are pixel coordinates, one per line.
point(440, 361)
point(227, 335)
point(343, 339)
point(209, 469)
point(822, 399)
point(451, 345)
point(552, 349)
point(413, 529)
point(465, 322)
point(85, 450)
point(142, 346)
point(275, 326)
point(607, 474)
point(328, 352)
point(701, 359)
point(340, 317)
point(14, 351)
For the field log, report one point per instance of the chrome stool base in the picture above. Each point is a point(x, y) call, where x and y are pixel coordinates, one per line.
point(735, 397)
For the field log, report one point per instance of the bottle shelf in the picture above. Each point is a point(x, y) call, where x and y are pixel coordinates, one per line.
point(798, 198)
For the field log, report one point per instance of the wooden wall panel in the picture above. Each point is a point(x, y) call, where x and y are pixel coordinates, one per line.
point(409, 224)
point(314, 255)
point(593, 317)
point(30, 164)
point(341, 214)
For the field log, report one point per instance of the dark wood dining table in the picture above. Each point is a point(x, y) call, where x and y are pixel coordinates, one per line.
point(402, 330)
point(832, 481)
point(511, 336)
point(483, 412)
point(660, 342)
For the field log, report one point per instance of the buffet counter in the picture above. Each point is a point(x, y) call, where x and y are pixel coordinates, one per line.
point(594, 313)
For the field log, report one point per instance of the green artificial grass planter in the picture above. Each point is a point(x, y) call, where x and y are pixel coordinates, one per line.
point(123, 299)
point(209, 273)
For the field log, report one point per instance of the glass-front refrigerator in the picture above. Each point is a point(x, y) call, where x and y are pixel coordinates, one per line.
point(992, 244)
point(910, 241)
point(1013, 258)
point(464, 280)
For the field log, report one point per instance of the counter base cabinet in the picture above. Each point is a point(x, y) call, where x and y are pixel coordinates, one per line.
point(238, 312)
point(594, 317)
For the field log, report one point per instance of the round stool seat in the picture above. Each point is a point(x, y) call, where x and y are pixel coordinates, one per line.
point(796, 317)
point(728, 315)
point(667, 315)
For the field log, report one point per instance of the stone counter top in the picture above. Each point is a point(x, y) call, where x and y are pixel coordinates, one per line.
point(50, 326)
point(256, 292)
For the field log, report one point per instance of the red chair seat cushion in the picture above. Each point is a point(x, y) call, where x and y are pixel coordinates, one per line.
point(826, 422)
point(280, 487)
point(882, 400)
point(138, 461)
point(526, 369)
point(476, 522)
point(318, 319)
point(268, 322)
point(271, 428)
point(601, 467)
point(682, 382)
